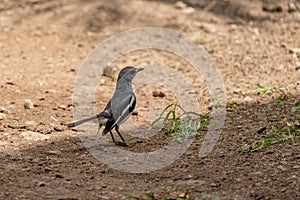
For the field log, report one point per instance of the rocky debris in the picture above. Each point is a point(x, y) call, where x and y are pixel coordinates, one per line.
point(53, 152)
point(273, 8)
point(248, 99)
point(185, 9)
point(50, 91)
point(158, 94)
point(297, 67)
point(110, 72)
point(237, 91)
point(3, 110)
point(28, 104)
point(180, 5)
point(134, 113)
point(9, 83)
point(292, 7)
point(59, 176)
point(188, 10)
point(62, 107)
point(2, 116)
point(16, 126)
point(54, 118)
point(30, 135)
point(41, 184)
point(58, 128)
point(30, 125)
point(294, 50)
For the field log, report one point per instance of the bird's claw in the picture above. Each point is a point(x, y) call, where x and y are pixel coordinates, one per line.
point(123, 144)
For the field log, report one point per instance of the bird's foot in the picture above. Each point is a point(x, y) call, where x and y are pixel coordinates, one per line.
point(123, 144)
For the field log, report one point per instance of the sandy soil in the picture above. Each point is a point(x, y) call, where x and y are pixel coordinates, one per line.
point(43, 44)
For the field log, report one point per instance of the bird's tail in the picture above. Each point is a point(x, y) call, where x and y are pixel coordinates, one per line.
point(82, 121)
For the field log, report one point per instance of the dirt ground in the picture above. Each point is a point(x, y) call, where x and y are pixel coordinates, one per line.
point(43, 44)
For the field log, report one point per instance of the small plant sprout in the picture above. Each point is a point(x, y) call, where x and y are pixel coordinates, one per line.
point(201, 38)
point(296, 106)
point(181, 127)
point(267, 179)
point(265, 90)
point(224, 176)
point(231, 118)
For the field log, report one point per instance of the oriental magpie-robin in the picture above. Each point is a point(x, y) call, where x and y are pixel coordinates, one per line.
point(119, 107)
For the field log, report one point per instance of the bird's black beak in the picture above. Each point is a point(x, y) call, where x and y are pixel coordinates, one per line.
point(139, 69)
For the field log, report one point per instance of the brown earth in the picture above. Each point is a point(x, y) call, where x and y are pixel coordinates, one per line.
point(43, 44)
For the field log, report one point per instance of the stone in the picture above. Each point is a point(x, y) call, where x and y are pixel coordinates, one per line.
point(2, 116)
point(62, 107)
point(34, 136)
point(272, 8)
point(3, 110)
point(41, 184)
point(297, 67)
point(188, 10)
point(294, 50)
point(110, 72)
point(158, 94)
point(292, 7)
point(28, 104)
point(248, 99)
point(30, 123)
point(180, 5)
point(237, 91)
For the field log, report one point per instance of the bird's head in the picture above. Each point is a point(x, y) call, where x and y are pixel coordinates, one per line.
point(129, 72)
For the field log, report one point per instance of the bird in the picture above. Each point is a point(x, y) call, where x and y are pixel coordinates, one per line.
point(119, 107)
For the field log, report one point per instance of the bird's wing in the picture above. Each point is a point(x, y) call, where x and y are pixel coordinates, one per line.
point(122, 105)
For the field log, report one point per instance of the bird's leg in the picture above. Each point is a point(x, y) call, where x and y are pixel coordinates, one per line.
point(99, 127)
point(117, 129)
point(112, 137)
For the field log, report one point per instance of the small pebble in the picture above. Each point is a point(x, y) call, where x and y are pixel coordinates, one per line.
point(28, 104)
point(58, 129)
point(292, 7)
point(282, 168)
point(215, 184)
point(237, 91)
point(50, 91)
point(158, 94)
point(272, 8)
point(30, 135)
point(53, 152)
point(9, 83)
point(188, 10)
point(134, 113)
point(180, 5)
point(41, 184)
point(62, 107)
point(30, 123)
point(109, 72)
point(2, 116)
point(294, 50)
point(296, 167)
point(16, 126)
point(3, 110)
point(297, 67)
point(59, 176)
point(248, 99)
